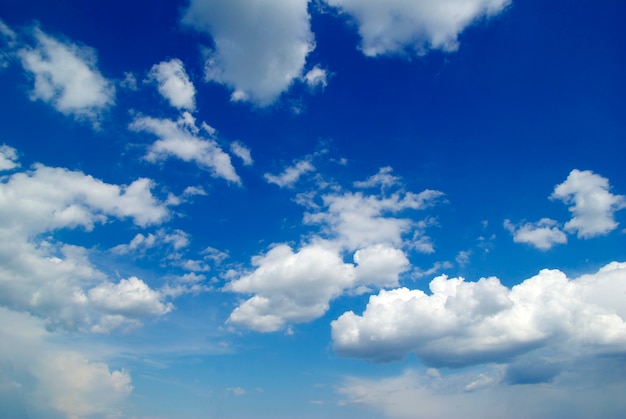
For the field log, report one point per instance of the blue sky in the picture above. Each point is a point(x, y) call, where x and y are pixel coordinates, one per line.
point(333, 208)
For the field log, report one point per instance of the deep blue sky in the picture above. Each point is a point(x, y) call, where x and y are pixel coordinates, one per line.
point(152, 268)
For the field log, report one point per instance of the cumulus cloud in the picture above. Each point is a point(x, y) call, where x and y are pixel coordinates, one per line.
point(290, 286)
point(464, 323)
point(182, 139)
point(47, 378)
point(396, 26)
point(356, 219)
point(296, 287)
point(291, 174)
point(591, 203)
point(259, 47)
point(67, 77)
point(242, 152)
point(174, 84)
point(543, 234)
point(8, 157)
point(51, 279)
point(316, 77)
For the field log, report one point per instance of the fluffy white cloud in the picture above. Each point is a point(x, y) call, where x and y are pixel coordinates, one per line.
point(356, 220)
point(591, 204)
point(298, 287)
point(316, 77)
point(260, 47)
point(395, 26)
point(242, 152)
point(181, 139)
point(8, 157)
point(130, 297)
point(464, 323)
point(174, 84)
point(66, 76)
point(45, 378)
point(291, 174)
point(382, 179)
point(51, 279)
point(543, 234)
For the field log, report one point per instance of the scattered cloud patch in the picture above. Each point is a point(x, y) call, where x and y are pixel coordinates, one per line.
point(543, 234)
point(181, 139)
point(174, 84)
point(316, 77)
point(591, 203)
point(242, 152)
point(66, 76)
point(291, 174)
point(259, 48)
point(414, 27)
point(8, 158)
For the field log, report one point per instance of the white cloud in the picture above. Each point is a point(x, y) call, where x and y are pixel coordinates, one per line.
point(177, 239)
point(181, 139)
point(382, 179)
point(52, 379)
point(8, 158)
point(464, 323)
point(293, 286)
point(316, 77)
point(242, 152)
point(66, 76)
point(543, 234)
point(130, 298)
point(591, 204)
point(397, 26)
point(296, 287)
point(356, 220)
point(174, 84)
point(291, 174)
point(260, 47)
point(51, 279)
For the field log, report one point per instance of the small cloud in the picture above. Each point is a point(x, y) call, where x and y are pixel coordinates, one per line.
point(236, 391)
point(291, 174)
point(242, 152)
point(174, 84)
point(316, 78)
point(543, 234)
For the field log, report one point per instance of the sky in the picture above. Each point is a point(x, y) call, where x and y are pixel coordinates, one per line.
point(324, 208)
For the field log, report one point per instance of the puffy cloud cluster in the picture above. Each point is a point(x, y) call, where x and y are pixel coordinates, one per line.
point(590, 202)
point(182, 139)
point(543, 234)
point(8, 157)
point(463, 323)
point(260, 48)
point(56, 281)
point(396, 26)
point(174, 84)
point(592, 206)
point(66, 76)
point(296, 285)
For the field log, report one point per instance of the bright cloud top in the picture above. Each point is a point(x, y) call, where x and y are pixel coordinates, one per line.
point(295, 286)
point(182, 139)
point(395, 26)
point(259, 47)
point(590, 202)
point(66, 76)
point(464, 323)
point(57, 281)
point(543, 234)
point(174, 84)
